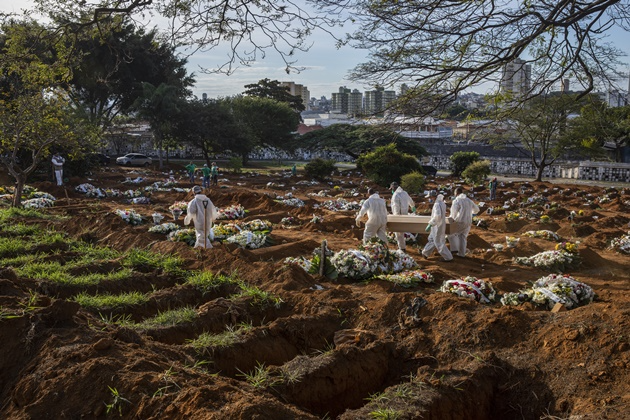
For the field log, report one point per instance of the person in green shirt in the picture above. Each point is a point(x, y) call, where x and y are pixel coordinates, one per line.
point(191, 168)
point(214, 171)
point(206, 175)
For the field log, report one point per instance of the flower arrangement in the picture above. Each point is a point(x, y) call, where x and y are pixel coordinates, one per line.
point(511, 241)
point(302, 262)
point(225, 230)
point(179, 205)
point(570, 247)
point(544, 234)
point(410, 238)
point(621, 244)
point(353, 264)
point(580, 212)
point(317, 219)
point(401, 261)
point(551, 260)
point(512, 216)
point(340, 204)
point(164, 228)
point(188, 236)
point(157, 217)
point(545, 219)
point(293, 202)
point(41, 194)
point(38, 203)
point(235, 211)
point(129, 216)
point(408, 278)
point(498, 247)
point(248, 239)
point(479, 222)
point(132, 193)
point(264, 226)
point(552, 289)
point(289, 221)
point(470, 287)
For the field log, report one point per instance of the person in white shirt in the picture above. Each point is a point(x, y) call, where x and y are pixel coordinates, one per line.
point(437, 226)
point(57, 162)
point(401, 203)
point(462, 211)
point(203, 213)
point(376, 210)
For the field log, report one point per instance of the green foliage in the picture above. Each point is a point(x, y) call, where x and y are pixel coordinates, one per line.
point(272, 89)
point(235, 164)
point(461, 160)
point(170, 318)
point(207, 281)
point(257, 296)
point(108, 301)
point(477, 172)
point(319, 169)
point(386, 164)
point(227, 338)
point(261, 377)
point(144, 260)
point(413, 182)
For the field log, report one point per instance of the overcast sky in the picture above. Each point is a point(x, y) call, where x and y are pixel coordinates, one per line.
point(326, 67)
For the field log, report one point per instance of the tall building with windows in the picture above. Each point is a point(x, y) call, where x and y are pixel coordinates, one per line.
point(517, 77)
point(299, 90)
point(377, 100)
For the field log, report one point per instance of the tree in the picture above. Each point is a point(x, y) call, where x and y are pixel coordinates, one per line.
point(461, 160)
point(477, 172)
point(272, 89)
point(386, 164)
point(159, 105)
point(356, 139)
point(599, 124)
point(35, 115)
point(448, 47)
point(539, 130)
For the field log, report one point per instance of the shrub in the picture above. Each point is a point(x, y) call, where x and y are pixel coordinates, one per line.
point(413, 182)
point(386, 164)
point(235, 164)
point(477, 172)
point(461, 160)
point(319, 168)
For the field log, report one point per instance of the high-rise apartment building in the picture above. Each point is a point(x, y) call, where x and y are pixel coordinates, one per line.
point(517, 77)
point(377, 101)
point(299, 90)
point(347, 101)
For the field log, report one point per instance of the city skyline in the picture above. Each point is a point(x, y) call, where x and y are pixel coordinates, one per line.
point(325, 66)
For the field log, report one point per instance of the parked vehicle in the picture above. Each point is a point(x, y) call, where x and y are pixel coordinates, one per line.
point(134, 159)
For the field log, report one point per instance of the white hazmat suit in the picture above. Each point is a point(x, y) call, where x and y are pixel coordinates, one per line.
point(202, 212)
point(57, 162)
point(462, 210)
point(437, 237)
point(401, 202)
point(376, 210)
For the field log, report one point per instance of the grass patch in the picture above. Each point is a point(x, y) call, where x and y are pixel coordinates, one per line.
point(261, 377)
point(12, 212)
point(108, 301)
point(227, 338)
point(90, 253)
point(20, 229)
point(207, 281)
point(144, 260)
point(11, 247)
point(20, 260)
point(170, 318)
point(258, 296)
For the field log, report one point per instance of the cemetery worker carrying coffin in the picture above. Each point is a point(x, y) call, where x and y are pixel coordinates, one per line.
point(202, 212)
point(401, 203)
point(376, 210)
point(57, 163)
point(437, 226)
point(462, 211)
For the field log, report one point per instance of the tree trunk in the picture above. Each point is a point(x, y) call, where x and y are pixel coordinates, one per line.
point(245, 158)
point(539, 172)
point(20, 181)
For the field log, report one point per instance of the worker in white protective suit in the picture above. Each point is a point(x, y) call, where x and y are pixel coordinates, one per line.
point(437, 227)
point(203, 213)
point(376, 210)
point(57, 163)
point(401, 203)
point(462, 211)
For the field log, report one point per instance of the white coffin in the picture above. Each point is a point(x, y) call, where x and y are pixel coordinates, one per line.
point(412, 223)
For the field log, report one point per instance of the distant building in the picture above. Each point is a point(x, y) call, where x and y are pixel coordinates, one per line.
point(377, 100)
point(347, 101)
point(299, 90)
point(517, 78)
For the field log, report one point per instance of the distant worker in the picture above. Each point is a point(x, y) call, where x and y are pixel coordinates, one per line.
point(462, 211)
point(57, 162)
point(293, 170)
point(437, 226)
point(203, 213)
point(191, 168)
point(376, 210)
point(214, 171)
point(401, 203)
point(492, 186)
point(205, 171)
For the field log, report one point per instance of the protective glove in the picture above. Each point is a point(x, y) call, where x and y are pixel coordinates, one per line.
point(413, 209)
point(358, 223)
point(428, 228)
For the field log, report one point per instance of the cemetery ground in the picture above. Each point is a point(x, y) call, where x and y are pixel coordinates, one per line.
point(101, 318)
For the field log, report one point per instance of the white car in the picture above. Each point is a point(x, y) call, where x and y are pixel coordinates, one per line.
point(134, 159)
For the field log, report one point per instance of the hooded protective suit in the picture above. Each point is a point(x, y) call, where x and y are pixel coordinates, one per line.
point(462, 210)
point(58, 162)
point(202, 216)
point(401, 202)
point(376, 209)
point(437, 237)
